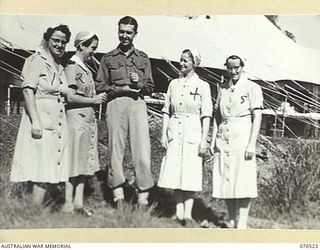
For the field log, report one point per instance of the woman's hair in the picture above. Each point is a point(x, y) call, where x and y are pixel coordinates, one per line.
point(89, 41)
point(129, 20)
point(234, 57)
point(63, 28)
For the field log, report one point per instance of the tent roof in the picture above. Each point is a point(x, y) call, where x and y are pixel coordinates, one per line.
point(270, 54)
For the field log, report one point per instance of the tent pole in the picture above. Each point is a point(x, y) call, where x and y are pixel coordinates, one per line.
point(283, 126)
point(100, 111)
point(8, 103)
point(316, 92)
point(275, 125)
point(284, 116)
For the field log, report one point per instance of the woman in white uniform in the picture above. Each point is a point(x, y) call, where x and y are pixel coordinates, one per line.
point(236, 127)
point(186, 119)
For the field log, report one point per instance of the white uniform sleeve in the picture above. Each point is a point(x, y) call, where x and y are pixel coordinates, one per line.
point(167, 101)
point(255, 97)
point(206, 106)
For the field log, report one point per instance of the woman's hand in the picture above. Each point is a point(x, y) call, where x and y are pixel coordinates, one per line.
point(250, 151)
point(211, 153)
point(36, 130)
point(99, 99)
point(211, 149)
point(164, 141)
point(203, 148)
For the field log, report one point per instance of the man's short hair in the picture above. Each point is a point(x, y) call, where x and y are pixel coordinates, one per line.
point(234, 57)
point(129, 20)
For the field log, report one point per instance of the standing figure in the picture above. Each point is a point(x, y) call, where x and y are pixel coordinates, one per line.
point(41, 153)
point(125, 74)
point(82, 125)
point(186, 119)
point(236, 127)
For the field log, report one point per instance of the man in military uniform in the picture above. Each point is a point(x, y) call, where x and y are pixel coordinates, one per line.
point(125, 74)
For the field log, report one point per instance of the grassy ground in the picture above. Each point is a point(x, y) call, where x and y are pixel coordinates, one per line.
point(16, 210)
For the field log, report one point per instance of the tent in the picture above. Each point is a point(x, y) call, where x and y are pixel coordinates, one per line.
point(272, 59)
point(270, 54)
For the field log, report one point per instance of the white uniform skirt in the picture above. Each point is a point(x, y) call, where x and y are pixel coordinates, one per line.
point(181, 167)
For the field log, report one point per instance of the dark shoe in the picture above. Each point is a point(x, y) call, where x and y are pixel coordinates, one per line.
point(227, 224)
point(84, 211)
point(190, 223)
point(204, 224)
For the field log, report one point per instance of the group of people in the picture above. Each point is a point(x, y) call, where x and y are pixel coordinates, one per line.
point(57, 138)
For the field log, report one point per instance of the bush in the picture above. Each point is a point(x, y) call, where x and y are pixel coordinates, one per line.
point(294, 184)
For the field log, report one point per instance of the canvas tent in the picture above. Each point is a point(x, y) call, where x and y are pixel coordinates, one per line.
point(270, 54)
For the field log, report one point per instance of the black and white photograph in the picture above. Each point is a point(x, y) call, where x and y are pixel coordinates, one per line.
point(160, 121)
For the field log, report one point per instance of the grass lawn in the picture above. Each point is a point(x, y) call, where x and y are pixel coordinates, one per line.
point(16, 211)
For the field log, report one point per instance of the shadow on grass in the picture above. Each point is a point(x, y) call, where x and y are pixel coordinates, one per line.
point(53, 198)
point(165, 207)
point(162, 202)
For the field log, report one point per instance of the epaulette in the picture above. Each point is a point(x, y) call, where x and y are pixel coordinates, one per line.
point(141, 53)
point(35, 55)
point(38, 53)
point(111, 53)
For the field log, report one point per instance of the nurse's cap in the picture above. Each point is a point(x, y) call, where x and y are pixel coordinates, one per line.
point(82, 36)
point(242, 58)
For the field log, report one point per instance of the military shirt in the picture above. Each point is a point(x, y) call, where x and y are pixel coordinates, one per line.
point(116, 67)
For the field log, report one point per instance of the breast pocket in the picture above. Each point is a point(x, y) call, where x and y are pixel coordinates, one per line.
point(117, 71)
point(141, 68)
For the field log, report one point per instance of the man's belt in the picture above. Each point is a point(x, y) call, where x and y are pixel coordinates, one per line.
point(123, 93)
